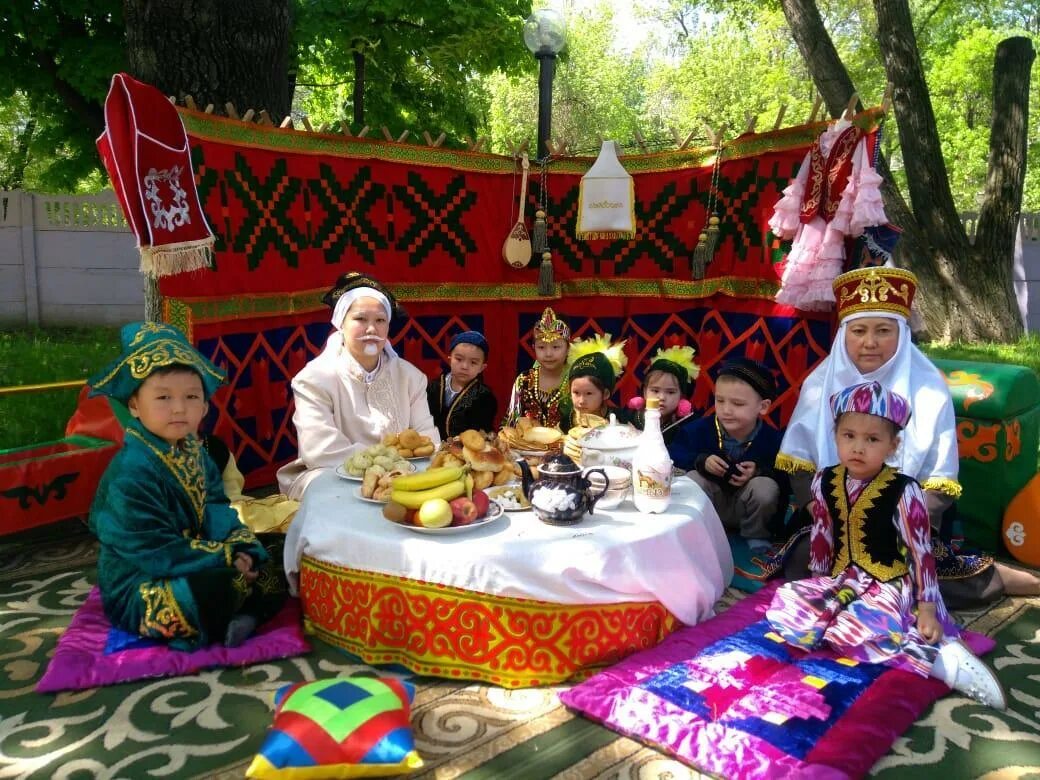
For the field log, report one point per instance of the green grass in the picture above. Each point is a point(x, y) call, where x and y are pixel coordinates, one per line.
point(30, 356)
point(1025, 353)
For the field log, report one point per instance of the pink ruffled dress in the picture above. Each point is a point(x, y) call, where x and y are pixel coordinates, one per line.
point(818, 251)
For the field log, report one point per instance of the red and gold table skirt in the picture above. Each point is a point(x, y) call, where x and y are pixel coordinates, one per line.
point(450, 632)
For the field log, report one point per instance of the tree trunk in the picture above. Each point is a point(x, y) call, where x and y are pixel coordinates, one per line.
point(214, 50)
point(835, 87)
point(20, 159)
point(963, 293)
point(969, 294)
point(999, 212)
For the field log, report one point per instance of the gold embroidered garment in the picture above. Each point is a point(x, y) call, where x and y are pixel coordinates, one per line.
point(161, 516)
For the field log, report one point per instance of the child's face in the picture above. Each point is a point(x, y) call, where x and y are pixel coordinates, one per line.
point(871, 342)
point(365, 329)
point(865, 442)
point(585, 396)
point(170, 405)
point(738, 406)
point(467, 361)
point(551, 356)
point(664, 387)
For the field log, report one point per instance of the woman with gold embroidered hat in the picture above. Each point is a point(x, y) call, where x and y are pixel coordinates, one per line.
point(537, 392)
point(873, 344)
point(357, 390)
point(175, 562)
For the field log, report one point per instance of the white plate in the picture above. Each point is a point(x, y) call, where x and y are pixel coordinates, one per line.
point(357, 495)
point(342, 473)
point(495, 491)
point(494, 512)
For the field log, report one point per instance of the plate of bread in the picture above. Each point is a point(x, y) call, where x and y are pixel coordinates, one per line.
point(410, 444)
point(489, 461)
point(528, 439)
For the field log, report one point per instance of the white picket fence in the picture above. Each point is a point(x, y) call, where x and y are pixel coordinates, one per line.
point(71, 260)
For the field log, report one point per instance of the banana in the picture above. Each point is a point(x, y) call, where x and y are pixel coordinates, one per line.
point(430, 478)
point(413, 499)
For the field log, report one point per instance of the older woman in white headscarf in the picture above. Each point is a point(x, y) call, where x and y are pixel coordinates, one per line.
point(356, 390)
point(873, 343)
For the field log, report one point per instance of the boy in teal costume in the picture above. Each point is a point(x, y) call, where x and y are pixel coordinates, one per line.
point(175, 562)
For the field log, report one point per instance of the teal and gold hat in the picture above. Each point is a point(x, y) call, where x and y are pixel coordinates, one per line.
point(146, 347)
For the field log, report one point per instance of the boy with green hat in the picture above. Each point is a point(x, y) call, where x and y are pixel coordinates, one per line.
point(175, 562)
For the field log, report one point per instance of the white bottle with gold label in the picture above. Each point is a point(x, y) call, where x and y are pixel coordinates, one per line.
point(651, 465)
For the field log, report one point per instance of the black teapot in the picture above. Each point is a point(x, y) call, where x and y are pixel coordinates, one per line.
point(562, 494)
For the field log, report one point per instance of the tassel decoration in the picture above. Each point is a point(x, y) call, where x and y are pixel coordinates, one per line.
point(708, 240)
point(546, 281)
point(699, 263)
point(712, 238)
point(539, 233)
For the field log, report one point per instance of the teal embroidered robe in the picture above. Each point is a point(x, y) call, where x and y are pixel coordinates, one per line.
point(161, 515)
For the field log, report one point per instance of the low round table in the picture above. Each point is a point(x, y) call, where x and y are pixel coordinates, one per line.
point(515, 602)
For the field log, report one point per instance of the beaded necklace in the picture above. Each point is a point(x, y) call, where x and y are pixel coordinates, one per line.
point(547, 404)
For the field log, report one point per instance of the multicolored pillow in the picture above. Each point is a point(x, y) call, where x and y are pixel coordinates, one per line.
point(346, 727)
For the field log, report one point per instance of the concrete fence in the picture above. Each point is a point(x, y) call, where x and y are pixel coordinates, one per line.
point(67, 260)
point(72, 260)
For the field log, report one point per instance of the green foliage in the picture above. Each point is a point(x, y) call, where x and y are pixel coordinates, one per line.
point(38, 356)
point(598, 91)
point(59, 56)
point(423, 60)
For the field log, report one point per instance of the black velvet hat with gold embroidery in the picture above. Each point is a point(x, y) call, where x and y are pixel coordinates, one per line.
point(351, 280)
point(148, 346)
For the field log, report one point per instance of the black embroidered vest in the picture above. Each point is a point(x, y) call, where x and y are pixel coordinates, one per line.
point(864, 533)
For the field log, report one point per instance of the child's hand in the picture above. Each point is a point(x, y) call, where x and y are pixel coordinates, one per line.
point(244, 563)
point(715, 465)
point(928, 625)
point(745, 471)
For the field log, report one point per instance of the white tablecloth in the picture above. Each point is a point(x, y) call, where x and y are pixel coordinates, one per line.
point(680, 558)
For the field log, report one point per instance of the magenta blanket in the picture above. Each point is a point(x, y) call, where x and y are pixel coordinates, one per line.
point(92, 653)
point(728, 698)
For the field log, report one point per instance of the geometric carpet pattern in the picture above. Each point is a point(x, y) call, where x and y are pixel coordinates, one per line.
point(211, 724)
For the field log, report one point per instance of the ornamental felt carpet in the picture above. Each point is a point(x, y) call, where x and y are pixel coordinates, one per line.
point(211, 724)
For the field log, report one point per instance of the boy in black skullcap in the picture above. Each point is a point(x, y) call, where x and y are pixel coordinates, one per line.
point(730, 454)
point(459, 400)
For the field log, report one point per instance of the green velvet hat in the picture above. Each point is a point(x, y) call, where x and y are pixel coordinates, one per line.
point(146, 347)
point(597, 357)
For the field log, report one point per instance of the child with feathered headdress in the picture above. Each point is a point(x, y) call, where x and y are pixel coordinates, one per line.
point(669, 379)
point(595, 367)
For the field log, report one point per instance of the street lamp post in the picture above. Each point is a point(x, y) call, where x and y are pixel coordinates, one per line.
point(544, 37)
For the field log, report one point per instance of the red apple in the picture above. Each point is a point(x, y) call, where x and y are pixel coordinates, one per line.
point(463, 511)
point(480, 498)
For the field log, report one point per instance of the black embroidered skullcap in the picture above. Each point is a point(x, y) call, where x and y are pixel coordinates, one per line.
point(753, 373)
point(352, 280)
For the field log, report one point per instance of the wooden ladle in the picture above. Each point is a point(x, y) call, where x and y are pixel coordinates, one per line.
point(517, 249)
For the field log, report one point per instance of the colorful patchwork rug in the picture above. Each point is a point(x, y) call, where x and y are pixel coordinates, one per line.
point(731, 698)
point(92, 652)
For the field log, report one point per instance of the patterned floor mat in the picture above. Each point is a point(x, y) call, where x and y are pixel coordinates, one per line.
point(210, 725)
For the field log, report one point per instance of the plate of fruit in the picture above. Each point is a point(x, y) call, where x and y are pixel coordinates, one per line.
point(439, 501)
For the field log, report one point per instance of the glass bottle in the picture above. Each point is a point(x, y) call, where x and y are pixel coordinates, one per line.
point(651, 464)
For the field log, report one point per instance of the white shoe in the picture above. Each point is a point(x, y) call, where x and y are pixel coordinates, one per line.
point(972, 677)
